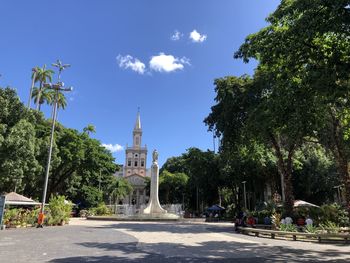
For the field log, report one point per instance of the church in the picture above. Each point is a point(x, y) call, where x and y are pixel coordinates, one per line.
point(134, 169)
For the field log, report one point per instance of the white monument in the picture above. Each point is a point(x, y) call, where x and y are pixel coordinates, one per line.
point(153, 206)
point(153, 209)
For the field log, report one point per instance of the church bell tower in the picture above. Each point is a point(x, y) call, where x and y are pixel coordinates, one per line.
point(136, 156)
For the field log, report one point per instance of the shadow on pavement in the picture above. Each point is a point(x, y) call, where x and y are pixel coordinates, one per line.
point(213, 251)
point(176, 228)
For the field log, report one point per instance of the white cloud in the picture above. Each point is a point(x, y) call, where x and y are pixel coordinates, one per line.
point(197, 37)
point(134, 64)
point(176, 36)
point(167, 63)
point(113, 148)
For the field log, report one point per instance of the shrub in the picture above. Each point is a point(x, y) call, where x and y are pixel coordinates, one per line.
point(334, 213)
point(59, 211)
point(330, 227)
point(32, 216)
point(84, 213)
point(100, 210)
point(288, 228)
point(276, 219)
point(11, 217)
point(311, 229)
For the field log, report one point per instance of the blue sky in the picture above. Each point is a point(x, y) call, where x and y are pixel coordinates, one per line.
point(127, 54)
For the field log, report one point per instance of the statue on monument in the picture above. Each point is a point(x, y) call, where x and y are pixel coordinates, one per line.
point(153, 206)
point(155, 156)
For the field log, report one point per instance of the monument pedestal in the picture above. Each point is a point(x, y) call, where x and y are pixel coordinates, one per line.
point(153, 209)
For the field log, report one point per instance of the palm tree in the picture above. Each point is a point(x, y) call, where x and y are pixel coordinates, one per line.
point(42, 75)
point(41, 96)
point(89, 129)
point(119, 188)
point(61, 99)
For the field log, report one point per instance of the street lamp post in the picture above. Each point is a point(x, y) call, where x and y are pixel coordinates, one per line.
point(245, 197)
point(57, 87)
point(60, 67)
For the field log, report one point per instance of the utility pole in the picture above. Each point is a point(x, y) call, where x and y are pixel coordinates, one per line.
point(57, 87)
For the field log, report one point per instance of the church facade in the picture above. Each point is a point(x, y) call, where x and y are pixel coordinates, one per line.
point(134, 169)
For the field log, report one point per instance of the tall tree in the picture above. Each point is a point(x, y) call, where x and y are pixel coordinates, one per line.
point(89, 129)
point(172, 187)
point(42, 76)
point(266, 110)
point(19, 167)
point(43, 96)
point(308, 40)
point(61, 99)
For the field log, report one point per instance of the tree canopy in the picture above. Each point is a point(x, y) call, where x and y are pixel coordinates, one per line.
point(79, 163)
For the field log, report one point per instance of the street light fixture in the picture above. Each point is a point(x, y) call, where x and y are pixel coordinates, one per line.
point(57, 87)
point(245, 197)
point(60, 67)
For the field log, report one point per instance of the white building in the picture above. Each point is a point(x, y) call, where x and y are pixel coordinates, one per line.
point(134, 169)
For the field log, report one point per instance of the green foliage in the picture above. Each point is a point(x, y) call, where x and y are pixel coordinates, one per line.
point(78, 162)
point(329, 227)
point(311, 229)
point(60, 210)
point(100, 210)
point(10, 217)
point(304, 50)
point(314, 174)
point(91, 196)
point(204, 178)
point(42, 76)
point(334, 213)
point(119, 188)
point(288, 227)
point(20, 217)
point(171, 187)
point(89, 129)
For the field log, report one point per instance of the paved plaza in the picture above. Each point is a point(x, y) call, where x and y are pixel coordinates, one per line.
point(102, 241)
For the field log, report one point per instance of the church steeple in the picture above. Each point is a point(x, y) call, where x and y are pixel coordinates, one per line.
point(138, 121)
point(137, 133)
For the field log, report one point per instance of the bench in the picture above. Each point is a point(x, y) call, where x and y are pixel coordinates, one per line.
point(294, 235)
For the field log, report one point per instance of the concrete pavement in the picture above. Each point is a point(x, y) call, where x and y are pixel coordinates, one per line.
point(101, 241)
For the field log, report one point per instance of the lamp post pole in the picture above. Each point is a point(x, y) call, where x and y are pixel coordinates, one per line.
point(57, 87)
point(244, 195)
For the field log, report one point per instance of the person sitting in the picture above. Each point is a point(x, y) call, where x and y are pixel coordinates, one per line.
point(251, 221)
point(289, 220)
point(309, 221)
point(267, 220)
point(301, 221)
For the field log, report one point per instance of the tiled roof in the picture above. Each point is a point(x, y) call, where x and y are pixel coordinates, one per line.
point(14, 197)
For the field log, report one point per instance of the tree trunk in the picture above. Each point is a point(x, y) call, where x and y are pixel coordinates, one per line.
point(341, 157)
point(285, 170)
point(38, 96)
